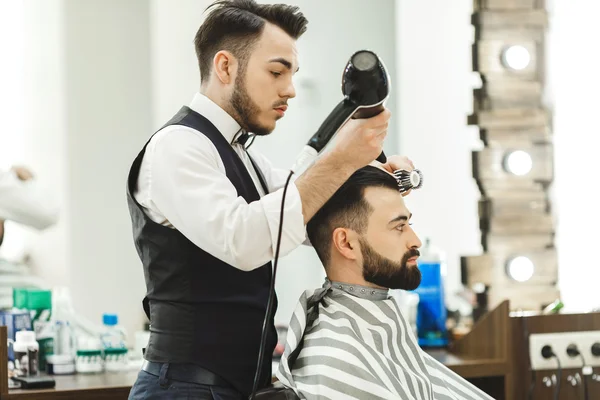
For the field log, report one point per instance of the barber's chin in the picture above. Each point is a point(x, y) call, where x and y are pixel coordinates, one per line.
point(270, 124)
point(264, 129)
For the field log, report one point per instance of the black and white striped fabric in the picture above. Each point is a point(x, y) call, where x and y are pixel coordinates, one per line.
point(353, 343)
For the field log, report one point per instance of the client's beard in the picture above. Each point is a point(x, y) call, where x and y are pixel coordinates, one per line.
point(387, 273)
point(245, 108)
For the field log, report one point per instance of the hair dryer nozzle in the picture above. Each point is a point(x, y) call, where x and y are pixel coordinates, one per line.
point(365, 86)
point(366, 81)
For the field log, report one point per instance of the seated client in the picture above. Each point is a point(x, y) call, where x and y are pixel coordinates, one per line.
point(348, 339)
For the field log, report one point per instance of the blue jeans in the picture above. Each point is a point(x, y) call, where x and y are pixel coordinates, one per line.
point(151, 387)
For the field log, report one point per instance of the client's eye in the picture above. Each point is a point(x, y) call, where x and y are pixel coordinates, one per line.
point(275, 74)
point(401, 227)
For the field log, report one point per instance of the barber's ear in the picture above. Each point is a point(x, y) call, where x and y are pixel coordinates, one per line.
point(345, 242)
point(225, 66)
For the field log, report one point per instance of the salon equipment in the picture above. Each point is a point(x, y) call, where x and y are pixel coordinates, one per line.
point(89, 362)
point(60, 365)
point(35, 382)
point(115, 360)
point(113, 336)
point(89, 358)
point(409, 180)
point(431, 311)
point(15, 321)
point(26, 351)
point(365, 86)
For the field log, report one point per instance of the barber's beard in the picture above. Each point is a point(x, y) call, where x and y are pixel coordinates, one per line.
point(387, 273)
point(245, 108)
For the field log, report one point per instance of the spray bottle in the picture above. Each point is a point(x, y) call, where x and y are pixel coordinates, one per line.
point(431, 313)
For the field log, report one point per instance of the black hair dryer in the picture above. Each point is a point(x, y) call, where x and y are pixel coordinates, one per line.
point(365, 86)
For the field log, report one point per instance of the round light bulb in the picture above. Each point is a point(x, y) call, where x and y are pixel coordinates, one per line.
point(518, 162)
point(516, 57)
point(520, 268)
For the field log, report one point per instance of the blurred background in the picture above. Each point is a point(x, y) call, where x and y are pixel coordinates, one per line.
point(84, 83)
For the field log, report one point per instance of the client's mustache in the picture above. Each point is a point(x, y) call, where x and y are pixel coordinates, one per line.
point(410, 254)
point(280, 104)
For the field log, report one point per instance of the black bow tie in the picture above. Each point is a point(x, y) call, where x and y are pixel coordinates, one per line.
point(243, 138)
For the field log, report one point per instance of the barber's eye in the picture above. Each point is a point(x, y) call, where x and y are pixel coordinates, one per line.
point(275, 74)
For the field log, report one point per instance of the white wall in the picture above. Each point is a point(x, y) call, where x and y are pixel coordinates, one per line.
point(325, 48)
point(175, 76)
point(108, 99)
point(12, 107)
point(574, 89)
point(44, 134)
point(434, 75)
point(12, 101)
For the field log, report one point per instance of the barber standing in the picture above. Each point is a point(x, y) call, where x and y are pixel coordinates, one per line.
point(205, 211)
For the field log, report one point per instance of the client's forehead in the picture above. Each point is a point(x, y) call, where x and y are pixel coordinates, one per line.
point(386, 203)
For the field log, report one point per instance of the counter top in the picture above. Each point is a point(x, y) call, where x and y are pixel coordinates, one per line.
point(108, 385)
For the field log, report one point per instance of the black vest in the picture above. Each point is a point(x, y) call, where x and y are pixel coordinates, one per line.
point(202, 310)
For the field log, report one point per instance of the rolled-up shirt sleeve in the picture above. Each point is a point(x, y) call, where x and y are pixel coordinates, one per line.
point(276, 178)
point(190, 188)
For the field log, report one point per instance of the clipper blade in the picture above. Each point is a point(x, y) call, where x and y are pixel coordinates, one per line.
point(408, 180)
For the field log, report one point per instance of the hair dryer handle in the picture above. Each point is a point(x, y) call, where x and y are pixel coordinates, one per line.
point(369, 112)
point(332, 124)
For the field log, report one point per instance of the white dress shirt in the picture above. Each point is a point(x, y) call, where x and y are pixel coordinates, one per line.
point(182, 185)
point(25, 202)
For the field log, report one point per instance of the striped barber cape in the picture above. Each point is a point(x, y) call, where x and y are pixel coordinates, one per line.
point(352, 342)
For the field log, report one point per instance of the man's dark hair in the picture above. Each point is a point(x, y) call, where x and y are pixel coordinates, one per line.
point(236, 25)
point(347, 208)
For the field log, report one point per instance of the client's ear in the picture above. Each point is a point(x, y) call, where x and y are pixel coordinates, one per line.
point(345, 242)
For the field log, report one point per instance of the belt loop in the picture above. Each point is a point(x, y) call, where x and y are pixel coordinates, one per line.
point(163, 376)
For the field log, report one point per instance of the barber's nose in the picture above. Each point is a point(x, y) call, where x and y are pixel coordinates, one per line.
point(290, 91)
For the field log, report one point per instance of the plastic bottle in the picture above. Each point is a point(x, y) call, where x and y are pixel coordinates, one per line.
point(64, 339)
point(114, 343)
point(45, 339)
point(432, 314)
point(62, 315)
point(114, 336)
point(26, 350)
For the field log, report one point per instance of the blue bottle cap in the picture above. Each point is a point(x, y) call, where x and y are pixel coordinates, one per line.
point(110, 319)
